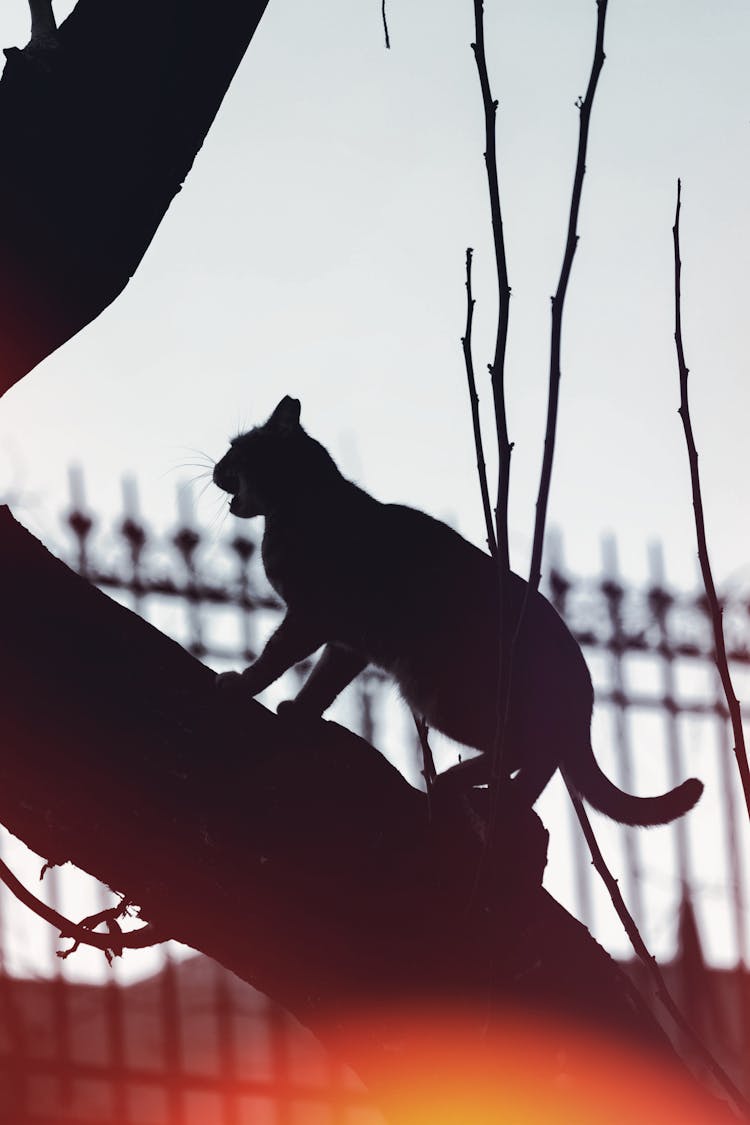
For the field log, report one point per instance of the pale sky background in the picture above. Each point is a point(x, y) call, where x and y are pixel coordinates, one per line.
point(317, 249)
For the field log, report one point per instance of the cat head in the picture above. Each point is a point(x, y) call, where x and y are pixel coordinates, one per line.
point(273, 465)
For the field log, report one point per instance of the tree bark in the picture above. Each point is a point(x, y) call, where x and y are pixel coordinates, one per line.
point(98, 130)
point(296, 856)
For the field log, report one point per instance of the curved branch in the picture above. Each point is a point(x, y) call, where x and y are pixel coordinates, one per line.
point(82, 932)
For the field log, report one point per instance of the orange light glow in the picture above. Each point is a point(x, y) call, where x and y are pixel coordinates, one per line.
point(439, 1069)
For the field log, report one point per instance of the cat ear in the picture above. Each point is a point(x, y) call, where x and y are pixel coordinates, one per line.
point(286, 415)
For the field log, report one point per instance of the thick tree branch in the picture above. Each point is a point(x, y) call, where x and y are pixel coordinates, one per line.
point(297, 857)
point(97, 133)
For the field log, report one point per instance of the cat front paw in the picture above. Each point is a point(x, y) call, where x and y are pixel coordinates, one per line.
point(229, 683)
point(292, 711)
point(240, 683)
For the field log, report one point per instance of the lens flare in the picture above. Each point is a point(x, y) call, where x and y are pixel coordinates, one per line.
point(456, 1068)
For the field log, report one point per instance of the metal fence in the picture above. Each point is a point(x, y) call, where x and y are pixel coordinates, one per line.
point(190, 1043)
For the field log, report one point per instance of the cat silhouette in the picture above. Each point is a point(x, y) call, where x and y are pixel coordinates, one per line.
point(388, 585)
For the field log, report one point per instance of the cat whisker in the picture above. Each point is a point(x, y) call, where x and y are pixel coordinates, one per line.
point(205, 471)
point(205, 488)
point(241, 427)
point(198, 459)
point(205, 475)
point(205, 457)
point(216, 524)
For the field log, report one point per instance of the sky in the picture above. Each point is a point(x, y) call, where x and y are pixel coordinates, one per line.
point(317, 249)
point(318, 245)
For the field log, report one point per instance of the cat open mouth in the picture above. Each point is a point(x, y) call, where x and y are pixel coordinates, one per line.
point(244, 504)
point(236, 505)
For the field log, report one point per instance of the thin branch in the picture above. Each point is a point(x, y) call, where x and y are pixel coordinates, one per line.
point(498, 775)
point(649, 962)
point(715, 609)
point(558, 301)
point(474, 402)
point(585, 106)
point(429, 773)
point(82, 932)
point(628, 922)
point(385, 26)
point(497, 367)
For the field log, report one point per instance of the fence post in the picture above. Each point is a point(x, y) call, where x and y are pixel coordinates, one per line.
point(617, 647)
point(172, 1043)
point(559, 586)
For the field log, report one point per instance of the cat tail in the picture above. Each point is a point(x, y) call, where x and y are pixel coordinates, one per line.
point(587, 778)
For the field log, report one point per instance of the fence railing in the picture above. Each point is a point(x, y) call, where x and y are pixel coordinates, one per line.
point(191, 1045)
point(660, 712)
point(659, 717)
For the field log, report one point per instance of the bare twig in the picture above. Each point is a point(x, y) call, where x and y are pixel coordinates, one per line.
point(558, 301)
point(474, 402)
point(428, 771)
point(385, 26)
point(82, 932)
point(650, 963)
point(628, 922)
point(585, 106)
point(498, 775)
point(497, 367)
point(715, 609)
point(110, 919)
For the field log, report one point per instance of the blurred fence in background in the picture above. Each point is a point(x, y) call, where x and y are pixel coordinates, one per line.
point(192, 1045)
